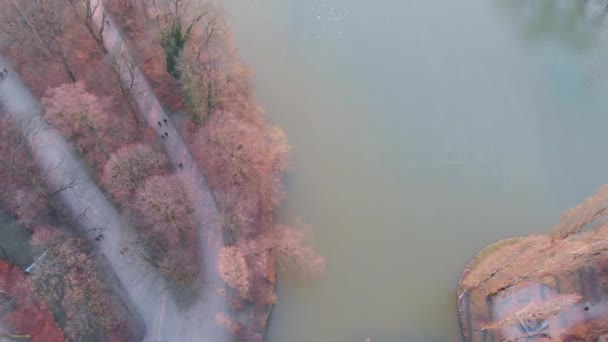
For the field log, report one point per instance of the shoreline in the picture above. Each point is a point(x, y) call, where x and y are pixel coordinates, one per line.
point(463, 300)
point(241, 247)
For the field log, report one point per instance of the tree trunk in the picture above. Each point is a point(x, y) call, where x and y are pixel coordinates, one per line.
point(66, 67)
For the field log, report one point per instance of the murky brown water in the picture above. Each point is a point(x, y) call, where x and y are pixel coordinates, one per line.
point(422, 130)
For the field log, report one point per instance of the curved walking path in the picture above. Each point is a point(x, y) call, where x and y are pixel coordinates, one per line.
point(86, 203)
point(202, 315)
point(147, 295)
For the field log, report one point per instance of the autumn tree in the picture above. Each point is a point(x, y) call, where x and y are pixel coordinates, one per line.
point(245, 162)
point(81, 116)
point(211, 77)
point(165, 219)
point(248, 267)
point(291, 247)
point(39, 25)
point(129, 167)
point(233, 268)
point(22, 190)
point(73, 280)
point(215, 83)
point(21, 308)
point(577, 218)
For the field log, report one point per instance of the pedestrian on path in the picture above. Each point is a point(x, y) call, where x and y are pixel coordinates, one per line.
point(181, 165)
point(167, 134)
point(165, 120)
point(159, 124)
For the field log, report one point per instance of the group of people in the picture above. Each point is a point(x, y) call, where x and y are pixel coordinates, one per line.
point(3, 74)
point(166, 135)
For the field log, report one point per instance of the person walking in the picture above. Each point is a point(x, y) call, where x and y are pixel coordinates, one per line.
point(167, 134)
point(159, 124)
point(165, 120)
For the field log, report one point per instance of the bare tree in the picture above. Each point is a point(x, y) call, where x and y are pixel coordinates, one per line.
point(178, 18)
point(84, 10)
point(292, 248)
point(202, 66)
point(41, 24)
point(124, 72)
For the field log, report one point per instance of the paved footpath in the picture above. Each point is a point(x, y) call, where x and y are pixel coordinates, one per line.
point(207, 214)
point(145, 294)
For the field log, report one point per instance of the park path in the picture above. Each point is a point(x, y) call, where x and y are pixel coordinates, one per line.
point(145, 294)
point(208, 217)
point(85, 201)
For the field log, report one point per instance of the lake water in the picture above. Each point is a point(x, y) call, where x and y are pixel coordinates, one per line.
point(422, 131)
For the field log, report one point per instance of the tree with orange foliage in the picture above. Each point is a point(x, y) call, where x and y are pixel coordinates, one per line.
point(165, 219)
point(22, 191)
point(75, 283)
point(129, 167)
point(80, 116)
point(245, 163)
point(24, 312)
point(575, 219)
point(292, 248)
point(249, 267)
point(233, 269)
